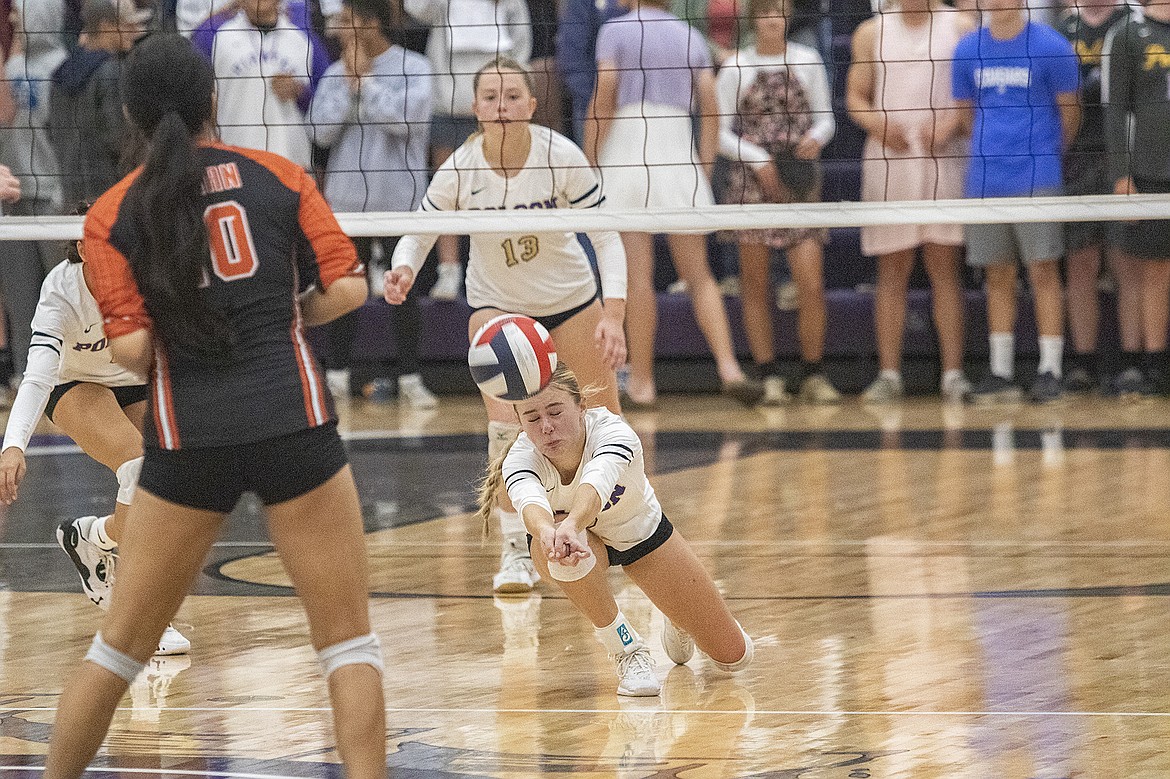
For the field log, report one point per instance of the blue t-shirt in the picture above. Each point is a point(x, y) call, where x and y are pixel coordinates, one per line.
point(1016, 141)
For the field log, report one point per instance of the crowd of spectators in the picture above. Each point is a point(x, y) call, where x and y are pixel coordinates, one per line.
point(683, 104)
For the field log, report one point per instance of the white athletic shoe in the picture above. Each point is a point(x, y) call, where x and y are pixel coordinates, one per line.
point(774, 392)
point(450, 283)
point(172, 643)
point(415, 393)
point(635, 672)
point(679, 646)
point(95, 566)
point(517, 575)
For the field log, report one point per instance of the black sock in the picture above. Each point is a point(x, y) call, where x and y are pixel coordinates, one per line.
point(763, 370)
point(1127, 360)
point(1156, 363)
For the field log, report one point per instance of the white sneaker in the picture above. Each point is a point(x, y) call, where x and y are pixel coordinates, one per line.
point(883, 390)
point(415, 393)
point(774, 392)
point(679, 646)
point(95, 566)
point(337, 379)
point(817, 390)
point(517, 575)
point(787, 296)
point(635, 672)
point(450, 283)
point(172, 643)
point(955, 388)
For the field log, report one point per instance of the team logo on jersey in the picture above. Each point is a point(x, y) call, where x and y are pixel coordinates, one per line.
point(1090, 53)
point(96, 346)
point(1156, 57)
point(1001, 77)
point(618, 491)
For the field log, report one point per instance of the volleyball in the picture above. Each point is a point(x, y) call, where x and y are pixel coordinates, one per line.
point(512, 357)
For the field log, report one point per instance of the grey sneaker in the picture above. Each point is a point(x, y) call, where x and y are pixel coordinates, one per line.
point(883, 390)
point(1078, 381)
point(1130, 384)
point(994, 389)
point(1046, 389)
point(817, 390)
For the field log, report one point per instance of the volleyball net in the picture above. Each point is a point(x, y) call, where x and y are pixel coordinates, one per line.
point(787, 103)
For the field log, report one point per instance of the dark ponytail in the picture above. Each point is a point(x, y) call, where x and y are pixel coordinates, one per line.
point(167, 90)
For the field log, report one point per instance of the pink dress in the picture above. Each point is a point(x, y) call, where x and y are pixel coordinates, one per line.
point(906, 59)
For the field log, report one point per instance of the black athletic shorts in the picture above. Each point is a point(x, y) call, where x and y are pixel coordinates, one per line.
point(126, 396)
point(553, 321)
point(277, 469)
point(1087, 173)
point(1149, 239)
point(639, 550)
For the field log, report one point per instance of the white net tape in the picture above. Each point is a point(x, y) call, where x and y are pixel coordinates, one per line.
point(1086, 208)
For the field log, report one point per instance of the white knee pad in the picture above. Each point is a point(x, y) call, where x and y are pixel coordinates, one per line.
point(363, 650)
point(501, 435)
point(741, 663)
point(128, 480)
point(116, 662)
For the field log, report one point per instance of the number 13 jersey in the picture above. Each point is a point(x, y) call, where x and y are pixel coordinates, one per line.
point(536, 274)
point(271, 236)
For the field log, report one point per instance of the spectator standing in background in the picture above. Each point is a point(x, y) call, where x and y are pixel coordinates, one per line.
point(1086, 172)
point(651, 69)
point(373, 110)
point(899, 92)
point(776, 114)
point(1136, 87)
point(25, 149)
point(86, 124)
point(465, 36)
point(577, 52)
point(1018, 82)
point(266, 69)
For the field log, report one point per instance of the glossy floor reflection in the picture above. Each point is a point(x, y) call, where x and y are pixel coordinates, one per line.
point(934, 592)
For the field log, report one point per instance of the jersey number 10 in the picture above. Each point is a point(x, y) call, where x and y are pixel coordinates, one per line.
point(233, 253)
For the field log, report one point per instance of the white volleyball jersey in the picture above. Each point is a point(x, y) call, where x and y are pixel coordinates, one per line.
point(524, 273)
point(68, 319)
point(612, 464)
point(68, 344)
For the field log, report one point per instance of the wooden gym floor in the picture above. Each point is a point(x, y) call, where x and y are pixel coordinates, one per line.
point(934, 592)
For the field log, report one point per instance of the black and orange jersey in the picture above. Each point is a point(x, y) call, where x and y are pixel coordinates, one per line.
point(271, 236)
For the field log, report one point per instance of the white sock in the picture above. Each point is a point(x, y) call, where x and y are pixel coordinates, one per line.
point(1051, 354)
point(512, 527)
point(950, 376)
point(98, 537)
point(619, 636)
point(892, 375)
point(1003, 355)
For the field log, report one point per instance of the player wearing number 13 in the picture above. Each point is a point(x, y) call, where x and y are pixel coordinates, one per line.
point(206, 264)
point(513, 164)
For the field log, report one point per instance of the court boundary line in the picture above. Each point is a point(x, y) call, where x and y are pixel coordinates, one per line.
point(117, 770)
point(734, 712)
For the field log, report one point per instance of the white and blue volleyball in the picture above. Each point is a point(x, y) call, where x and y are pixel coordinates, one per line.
point(512, 357)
